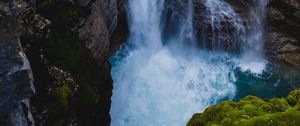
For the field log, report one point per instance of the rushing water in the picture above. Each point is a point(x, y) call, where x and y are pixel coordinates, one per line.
point(218, 11)
point(163, 81)
point(253, 57)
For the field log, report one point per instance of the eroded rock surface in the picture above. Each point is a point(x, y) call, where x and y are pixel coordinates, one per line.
point(16, 79)
point(283, 37)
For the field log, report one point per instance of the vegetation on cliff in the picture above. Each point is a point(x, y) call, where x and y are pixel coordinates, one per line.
point(56, 102)
point(252, 111)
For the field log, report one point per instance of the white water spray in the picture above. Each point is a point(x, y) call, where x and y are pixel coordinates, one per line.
point(220, 12)
point(144, 21)
point(253, 57)
point(157, 84)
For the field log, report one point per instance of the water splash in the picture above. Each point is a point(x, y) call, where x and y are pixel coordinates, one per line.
point(224, 24)
point(161, 81)
point(253, 55)
point(166, 89)
point(144, 22)
point(164, 85)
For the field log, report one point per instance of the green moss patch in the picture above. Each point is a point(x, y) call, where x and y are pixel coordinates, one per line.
point(63, 94)
point(65, 51)
point(252, 111)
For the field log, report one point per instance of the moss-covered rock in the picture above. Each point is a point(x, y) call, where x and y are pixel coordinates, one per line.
point(63, 95)
point(252, 111)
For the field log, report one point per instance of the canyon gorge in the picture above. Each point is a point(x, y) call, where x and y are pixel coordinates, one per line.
point(149, 62)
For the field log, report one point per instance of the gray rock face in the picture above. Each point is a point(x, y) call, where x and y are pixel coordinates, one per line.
point(34, 25)
point(98, 28)
point(110, 12)
point(224, 32)
point(96, 35)
point(120, 33)
point(283, 40)
point(283, 47)
point(16, 79)
point(282, 32)
point(15, 118)
point(84, 2)
point(97, 32)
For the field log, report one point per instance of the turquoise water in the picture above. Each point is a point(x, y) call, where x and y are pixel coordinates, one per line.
point(274, 82)
point(162, 79)
point(165, 88)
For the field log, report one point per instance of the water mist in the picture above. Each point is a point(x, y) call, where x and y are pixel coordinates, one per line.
point(163, 81)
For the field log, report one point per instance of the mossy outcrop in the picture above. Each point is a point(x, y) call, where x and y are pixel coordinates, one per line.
point(71, 39)
point(252, 111)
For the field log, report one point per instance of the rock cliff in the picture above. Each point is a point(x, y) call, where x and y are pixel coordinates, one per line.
point(68, 44)
point(16, 79)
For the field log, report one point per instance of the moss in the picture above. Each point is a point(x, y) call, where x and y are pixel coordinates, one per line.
point(65, 51)
point(59, 122)
point(68, 11)
point(87, 96)
point(293, 98)
point(279, 105)
point(252, 111)
point(277, 119)
point(63, 94)
point(68, 53)
point(196, 120)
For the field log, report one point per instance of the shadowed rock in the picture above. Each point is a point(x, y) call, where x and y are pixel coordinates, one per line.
point(16, 79)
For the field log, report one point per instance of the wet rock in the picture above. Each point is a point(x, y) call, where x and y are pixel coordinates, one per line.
point(283, 41)
point(58, 103)
point(282, 27)
point(120, 33)
point(103, 31)
point(97, 29)
point(283, 47)
point(15, 118)
point(35, 26)
point(287, 16)
point(77, 47)
point(83, 2)
point(16, 79)
point(206, 27)
point(96, 35)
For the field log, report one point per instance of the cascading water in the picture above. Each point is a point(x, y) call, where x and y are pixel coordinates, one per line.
point(253, 49)
point(162, 82)
point(224, 24)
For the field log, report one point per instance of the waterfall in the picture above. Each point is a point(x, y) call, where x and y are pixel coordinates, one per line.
point(253, 58)
point(226, 28)
point(160, 77)
point(165, 84)
point(144, 22)
point(229, 33)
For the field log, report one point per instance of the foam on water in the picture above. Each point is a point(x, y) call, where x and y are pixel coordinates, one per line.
point(157, 84)
point(163, 89)
point(253, 55)
point(255, 67)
